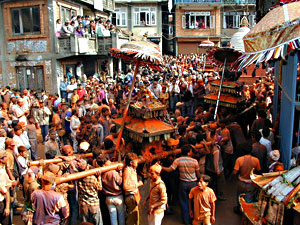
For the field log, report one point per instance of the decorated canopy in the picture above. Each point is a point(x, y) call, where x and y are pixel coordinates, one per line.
point(145, 128)
point(274, 36)
point(148, 52)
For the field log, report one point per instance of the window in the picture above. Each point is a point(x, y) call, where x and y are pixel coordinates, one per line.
point(198, 20)
point(66, 13)
point(233, 19)
point(30, 78)
point(144, 16)
point(120, 17)
point(26, 20)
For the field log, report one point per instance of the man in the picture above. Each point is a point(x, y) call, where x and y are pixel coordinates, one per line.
point(89, 204)
point(50, 206)
point(43, 117)
point(243, 166)
point(105, 121)
point(112, 189)
point(189, 170)
point(259, 151)
point(5, 184)
point(157, 196)
point(131, 187)
point(155, 88)
point(52, 144)
point(265, 141)
point(65, 29)
point(63, 89)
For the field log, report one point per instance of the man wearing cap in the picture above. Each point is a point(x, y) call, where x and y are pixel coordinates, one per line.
point(50, 206)
point(65, 29)
point(89, 204)
point(157, 196)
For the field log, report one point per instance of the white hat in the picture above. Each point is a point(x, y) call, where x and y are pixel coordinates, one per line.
point(275, 155)
point(84, 145)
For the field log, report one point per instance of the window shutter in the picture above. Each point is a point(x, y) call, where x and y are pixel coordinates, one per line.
point(238, 21)
point(212, 22)
point(224, 22)
point(183, 22)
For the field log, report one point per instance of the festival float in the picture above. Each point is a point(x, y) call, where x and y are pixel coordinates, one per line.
point(278, 191)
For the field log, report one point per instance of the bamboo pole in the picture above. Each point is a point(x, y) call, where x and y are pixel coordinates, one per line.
point(59, 160)
point(127, 105)
point(112, 166)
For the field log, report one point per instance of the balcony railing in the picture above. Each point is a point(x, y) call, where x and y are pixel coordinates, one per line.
point(73, 45)
point(240, 2)
point(198, 1)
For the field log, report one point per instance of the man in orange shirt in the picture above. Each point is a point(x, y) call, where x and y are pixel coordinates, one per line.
point(243, 167)
point(204, 202)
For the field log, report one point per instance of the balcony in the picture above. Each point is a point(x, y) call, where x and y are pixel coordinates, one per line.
point(239, 2)
point(73, 45)
point(198, 1)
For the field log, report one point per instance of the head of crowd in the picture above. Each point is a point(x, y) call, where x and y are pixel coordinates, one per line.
point(84, 26)
point(76, 127)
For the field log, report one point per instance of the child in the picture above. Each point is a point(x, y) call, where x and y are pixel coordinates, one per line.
point(204, 202)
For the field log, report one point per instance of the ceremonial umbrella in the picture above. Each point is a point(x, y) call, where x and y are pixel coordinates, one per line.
point(223, 56)
point(207, 44)
point(142, 53)
point(274, 36)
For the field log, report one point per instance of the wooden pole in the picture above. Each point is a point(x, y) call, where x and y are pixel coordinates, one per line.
point(112, 166)
point(59, 160)
point(127, 105)
point(220, 88)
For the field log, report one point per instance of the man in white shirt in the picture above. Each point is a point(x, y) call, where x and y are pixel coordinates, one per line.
point(70, 88)
point(174, 92)
point(43, 117)
point(265, 141)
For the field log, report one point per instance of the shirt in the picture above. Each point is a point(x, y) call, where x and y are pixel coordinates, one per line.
point(203, 200)
point(158, 193)
point(130, 182)
point(44, 114)
point(88, 191)
point(111, 181)
point(48, 203)
point(187, 168)
point(266, 143)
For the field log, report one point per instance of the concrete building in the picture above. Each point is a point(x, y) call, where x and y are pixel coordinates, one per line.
point(33, 57)
point(216, 20)
point(140, 17)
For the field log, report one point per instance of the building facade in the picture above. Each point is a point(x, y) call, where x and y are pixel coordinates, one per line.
point(33, 57)
point(140, 17)
point(199, 20)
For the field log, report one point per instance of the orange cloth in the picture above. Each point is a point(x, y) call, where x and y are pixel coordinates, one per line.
point(203, 201)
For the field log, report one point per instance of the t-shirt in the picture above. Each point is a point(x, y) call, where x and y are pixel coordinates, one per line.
point(245, 164)
point(203, 201)
point(187, 168)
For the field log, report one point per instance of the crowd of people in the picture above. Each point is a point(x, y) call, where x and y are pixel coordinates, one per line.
point(84, 26)
point(79, 120)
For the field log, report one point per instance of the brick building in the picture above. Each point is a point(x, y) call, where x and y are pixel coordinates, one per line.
point(199, 20)
point(33, 57)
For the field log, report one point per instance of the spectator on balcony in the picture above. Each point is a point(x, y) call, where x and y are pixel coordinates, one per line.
point(72, 27)
point(86, 32)
point(86, 20)
point(58, 27)
point(77, 21)
point(92, 28)
point(100, 28)
point(66, 29)
point(78, 32)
